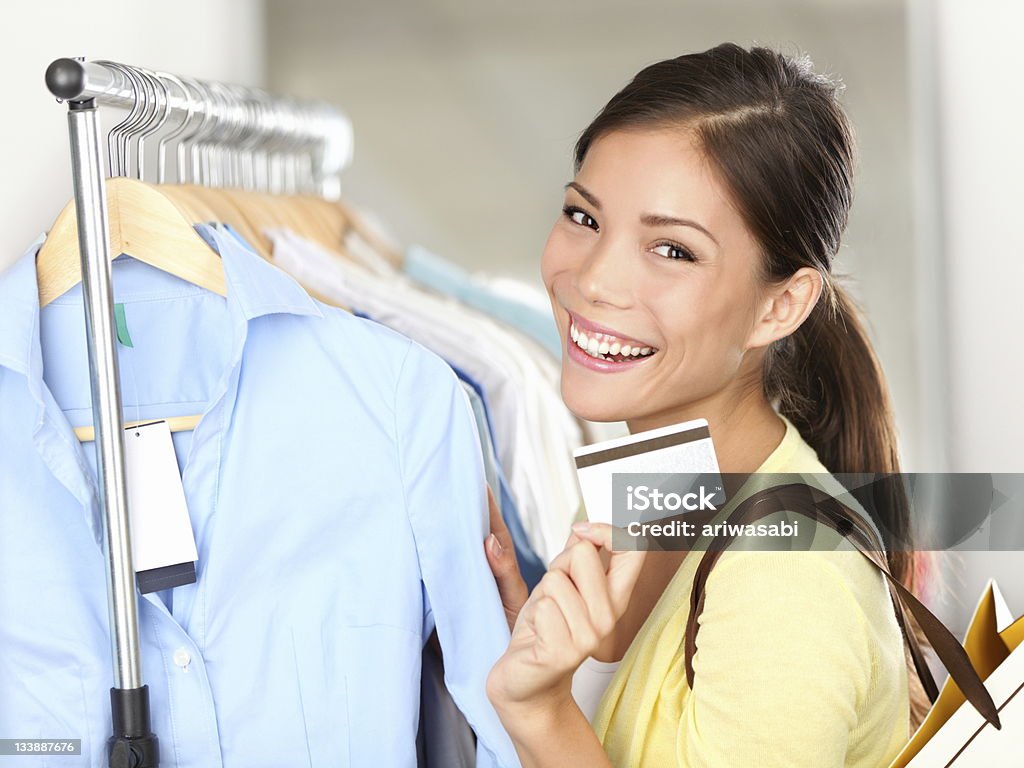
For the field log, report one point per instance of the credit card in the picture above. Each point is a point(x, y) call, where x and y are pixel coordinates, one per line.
point(679, 448)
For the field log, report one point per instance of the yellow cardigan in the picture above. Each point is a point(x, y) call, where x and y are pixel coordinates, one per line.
point(799, 662)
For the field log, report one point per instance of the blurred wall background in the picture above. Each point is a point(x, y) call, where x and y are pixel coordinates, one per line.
point(978, 164)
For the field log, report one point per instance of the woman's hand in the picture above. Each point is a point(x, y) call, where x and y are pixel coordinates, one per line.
point(501, 556)
point(575, 606)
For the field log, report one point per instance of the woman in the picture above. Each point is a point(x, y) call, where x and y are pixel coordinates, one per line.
point(690, 276)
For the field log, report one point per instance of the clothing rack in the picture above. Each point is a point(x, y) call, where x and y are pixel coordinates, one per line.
point(226, 135)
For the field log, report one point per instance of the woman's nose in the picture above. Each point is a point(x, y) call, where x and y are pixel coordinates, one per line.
point(603, 276)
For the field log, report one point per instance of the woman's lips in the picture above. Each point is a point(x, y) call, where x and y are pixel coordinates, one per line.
point(602, 349)
point(590, 327)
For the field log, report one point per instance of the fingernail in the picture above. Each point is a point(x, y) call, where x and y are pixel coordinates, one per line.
point(495, 546)
point(581, 527)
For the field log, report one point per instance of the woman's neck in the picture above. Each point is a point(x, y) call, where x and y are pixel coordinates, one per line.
point(745, 429)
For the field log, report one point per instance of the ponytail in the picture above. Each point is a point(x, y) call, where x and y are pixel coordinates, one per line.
point(827, 380)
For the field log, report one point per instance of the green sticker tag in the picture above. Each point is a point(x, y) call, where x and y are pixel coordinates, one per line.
point(122, 326)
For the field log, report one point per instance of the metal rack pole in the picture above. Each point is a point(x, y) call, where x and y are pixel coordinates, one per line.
point(132, 745)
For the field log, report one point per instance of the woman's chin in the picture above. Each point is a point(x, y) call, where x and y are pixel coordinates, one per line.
point(590, 407)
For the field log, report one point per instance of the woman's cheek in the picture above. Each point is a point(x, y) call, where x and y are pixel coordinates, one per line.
point(556, 254)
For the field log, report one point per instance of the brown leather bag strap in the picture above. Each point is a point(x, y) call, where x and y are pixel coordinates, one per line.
point(820, 506)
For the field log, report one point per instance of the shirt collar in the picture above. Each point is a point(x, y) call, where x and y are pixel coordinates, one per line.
point(255, 286)
point(258, 287)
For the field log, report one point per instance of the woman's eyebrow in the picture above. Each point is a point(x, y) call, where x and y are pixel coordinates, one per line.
point(585, 194)
point(656, 220)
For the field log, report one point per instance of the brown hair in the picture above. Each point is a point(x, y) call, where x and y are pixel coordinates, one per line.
point(780, 141)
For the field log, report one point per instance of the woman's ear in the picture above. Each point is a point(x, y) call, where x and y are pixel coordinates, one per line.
point(785, 306)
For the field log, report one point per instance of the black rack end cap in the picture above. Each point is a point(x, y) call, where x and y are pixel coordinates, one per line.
point(65, 78)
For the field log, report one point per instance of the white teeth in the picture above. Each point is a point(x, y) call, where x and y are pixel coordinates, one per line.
point(602, 348)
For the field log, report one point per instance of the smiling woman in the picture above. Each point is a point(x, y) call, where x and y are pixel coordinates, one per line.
point(690, 277)
point(635, 258)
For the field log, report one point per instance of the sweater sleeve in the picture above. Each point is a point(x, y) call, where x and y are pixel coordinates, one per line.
point(783, 658)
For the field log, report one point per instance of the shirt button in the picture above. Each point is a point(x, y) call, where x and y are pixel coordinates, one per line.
point(182, 658)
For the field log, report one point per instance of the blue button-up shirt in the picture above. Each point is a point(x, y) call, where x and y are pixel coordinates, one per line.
point(336, 493)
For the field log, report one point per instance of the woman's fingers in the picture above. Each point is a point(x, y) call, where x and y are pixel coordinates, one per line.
point(502, 559)
point(623, 566)
point(583, 564)
point(558, 586)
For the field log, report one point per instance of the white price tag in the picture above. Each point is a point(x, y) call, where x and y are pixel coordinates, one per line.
point(163, 545)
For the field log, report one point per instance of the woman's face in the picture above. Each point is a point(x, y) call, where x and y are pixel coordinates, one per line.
point(651, 259)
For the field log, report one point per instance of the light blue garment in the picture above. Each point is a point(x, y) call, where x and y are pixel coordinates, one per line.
point(531, 567)
point(336, 493)
point(447, 278)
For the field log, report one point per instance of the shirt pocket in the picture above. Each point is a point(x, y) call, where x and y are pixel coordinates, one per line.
point(323, 696)
point(52, 706)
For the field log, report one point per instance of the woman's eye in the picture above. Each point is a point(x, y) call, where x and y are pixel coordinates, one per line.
point(674, 252)
point(581, 217)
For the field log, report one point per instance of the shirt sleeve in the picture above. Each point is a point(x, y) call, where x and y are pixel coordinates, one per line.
point(445, 497)
point(783, 657)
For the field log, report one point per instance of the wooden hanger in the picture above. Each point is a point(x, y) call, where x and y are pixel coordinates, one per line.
point(146, 225)
point(249, 213)
point(321, 222)
point(260, 212)
point(358, 227)
point(227, 209)
point(175, 423)
point(264, 211)
point(192, 207)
